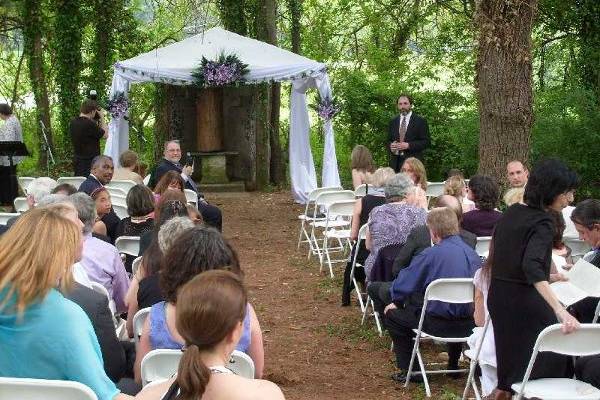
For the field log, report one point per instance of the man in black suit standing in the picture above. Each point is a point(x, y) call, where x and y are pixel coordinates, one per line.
point(170, 162)
point(408, 134)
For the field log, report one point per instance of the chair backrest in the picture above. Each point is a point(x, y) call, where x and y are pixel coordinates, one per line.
point(135, 265)
point(483, 245)
point(578, 247)
point(191, 196)
point(24, 182)
point(585, 341)
point(120, 210)
point(159, 364)
point(116, 191)
point(118, 199)
point(241, 364)
point(128, 245)
point(21, 204)
point(451, 290)
point(138, 322)
point(124, 185)
point(435, 189)
point(71, 180)
point(361, 191)
point(4, 217)
point(312, 196)
point(343, 208)
point(362, 232)
point(43, 389)
point(146, 180)
point(326, 198)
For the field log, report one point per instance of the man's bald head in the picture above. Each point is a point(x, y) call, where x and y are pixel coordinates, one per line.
point(452, 203)
point(516, 174)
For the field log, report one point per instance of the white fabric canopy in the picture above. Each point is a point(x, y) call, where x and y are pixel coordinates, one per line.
point(173, 64)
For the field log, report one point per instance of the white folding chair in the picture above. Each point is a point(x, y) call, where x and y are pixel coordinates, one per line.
point(128, 245)
point(191, 196)
point(118, 199)
point(135, 265)
point(4, 217)
point(474, 360)
point(159, 364)
point(146, 180)
point(434, 189)
point(43, 389)
point(115, 191)
point(75, 181)
point(322, 202)
point(303, 236)
point(362, 235)
point(124, 185)
point(585, 341)
point(578, 247)
point(20, 204)
point(483, 245)
point(138, 322)
point(447, 290)
point(120, 210)
point(340, 210)
point(102, 290)
point(361, 191)
point(369, 303)
point(241, 364)
point(24, 182)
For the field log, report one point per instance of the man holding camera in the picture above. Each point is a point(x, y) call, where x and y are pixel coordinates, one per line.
point(86, 131)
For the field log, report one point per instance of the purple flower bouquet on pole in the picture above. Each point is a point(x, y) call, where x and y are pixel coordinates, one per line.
point(226, 70)
point(327, 109)
point(118, 106)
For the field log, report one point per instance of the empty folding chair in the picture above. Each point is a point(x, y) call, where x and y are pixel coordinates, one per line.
point(128, 245)
point(116, 191)
point(361, 191)
point(341, 210)
point(303, 236)
point(585, 341)
point(120, 210)
point(138, 322)
point(43, 389)
point(191, 196)
point(449, 290)
point(75, 181)
point(474, 360)
point(578, 247)
point(20, 204)
point(483, 245)
point(24, 182)
point(4, 217)
point(362, 235)
point(124, 185)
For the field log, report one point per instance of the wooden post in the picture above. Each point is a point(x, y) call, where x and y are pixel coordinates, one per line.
point(209, 114)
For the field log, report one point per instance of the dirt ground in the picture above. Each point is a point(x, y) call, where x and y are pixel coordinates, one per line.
point(314, 348)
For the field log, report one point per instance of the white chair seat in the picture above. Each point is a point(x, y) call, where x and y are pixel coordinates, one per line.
point(559, 389)
point(332, 224)
point(338, 233)
point(303, 217)
point(442, 339)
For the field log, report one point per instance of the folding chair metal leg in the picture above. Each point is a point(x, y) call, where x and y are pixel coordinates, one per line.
point(377, 322)
point(412, 360)
point(359, 294)
point(423, 373)
point(369, 302)
point(302, 230)
point(471, 381)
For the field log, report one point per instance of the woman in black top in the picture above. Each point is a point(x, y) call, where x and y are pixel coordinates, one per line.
point(520, 301)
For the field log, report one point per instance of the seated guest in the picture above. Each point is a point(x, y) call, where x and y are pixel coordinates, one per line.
point(171, 180)
point(38, 189)
point(44, 335)
point(64, 188)
point(215, 299)
point(414, 168)
point(484, 191)
point(361, 162)
point(450, 257)
point(516, 174)
point(391, 223)
point(101, 260)
point(102, 172)
point(362, 208)
point(513, 196)
point(103, 203)
point(129, 163)
point(169, 196)
point(140, 207)
point(172, 155)
point(197, 250)
point(455, 186)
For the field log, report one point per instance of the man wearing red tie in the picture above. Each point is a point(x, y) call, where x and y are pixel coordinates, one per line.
point(408, 134)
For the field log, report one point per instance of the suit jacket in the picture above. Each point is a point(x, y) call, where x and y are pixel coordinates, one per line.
point(417, 136)
point(418, 240)
point(89, 185)
point(111, 220)
point(165, 166)
point(95, 306)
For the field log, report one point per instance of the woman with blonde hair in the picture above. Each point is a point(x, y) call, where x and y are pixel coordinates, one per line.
point(362, 165)
point(455, 186)
point(414, 168)
point(209, 317)
point(43, 335)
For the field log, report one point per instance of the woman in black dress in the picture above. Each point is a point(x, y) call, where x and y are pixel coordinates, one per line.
point(520, 301)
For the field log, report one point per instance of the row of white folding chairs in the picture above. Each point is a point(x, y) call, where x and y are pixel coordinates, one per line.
point(305, 218)
point(434, 189)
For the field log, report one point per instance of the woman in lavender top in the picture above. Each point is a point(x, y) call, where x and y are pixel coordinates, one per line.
point(391, 223)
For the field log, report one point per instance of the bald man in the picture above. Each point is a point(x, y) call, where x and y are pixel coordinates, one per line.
point(516, 174)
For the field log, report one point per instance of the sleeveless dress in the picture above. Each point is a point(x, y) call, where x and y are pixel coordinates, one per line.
point(173, 390)
point(160, 337)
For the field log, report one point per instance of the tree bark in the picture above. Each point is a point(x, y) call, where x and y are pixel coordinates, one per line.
point(504, 82)
point(295, 10)
point(33, 50)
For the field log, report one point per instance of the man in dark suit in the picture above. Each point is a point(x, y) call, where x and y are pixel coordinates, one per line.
point(170, 162)
point(102, 173)
point(408, 134)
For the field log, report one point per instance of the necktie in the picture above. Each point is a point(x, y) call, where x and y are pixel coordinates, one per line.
point(402, 129)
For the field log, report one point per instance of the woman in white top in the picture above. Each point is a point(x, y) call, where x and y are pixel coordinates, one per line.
point(209, 317)
point(362, 165)
point(10, 131)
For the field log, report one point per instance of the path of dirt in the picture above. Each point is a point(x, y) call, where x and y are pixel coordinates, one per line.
point(314, 349)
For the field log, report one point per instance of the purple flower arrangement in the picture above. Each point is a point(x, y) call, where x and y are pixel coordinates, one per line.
point(327, 109)
point(226, 70)
point(118, 105)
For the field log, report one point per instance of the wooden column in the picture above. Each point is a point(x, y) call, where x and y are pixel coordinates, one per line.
point(209, 114)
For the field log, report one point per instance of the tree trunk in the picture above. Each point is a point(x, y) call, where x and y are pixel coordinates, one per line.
point(277, 165)
point(33, 49)
point(295, 10)
point(504, 82)
point(589, 37)
point(103, 45)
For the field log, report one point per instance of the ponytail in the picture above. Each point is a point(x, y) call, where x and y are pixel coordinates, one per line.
point(193, 375)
